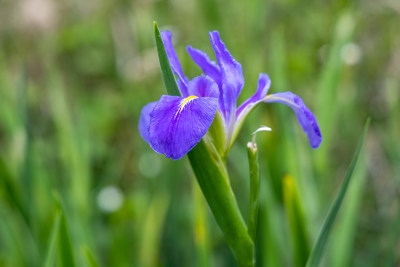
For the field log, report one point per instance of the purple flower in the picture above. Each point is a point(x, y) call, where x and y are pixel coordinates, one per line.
point(174, 125)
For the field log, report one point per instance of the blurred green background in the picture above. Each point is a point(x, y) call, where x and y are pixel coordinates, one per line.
point(74, 76)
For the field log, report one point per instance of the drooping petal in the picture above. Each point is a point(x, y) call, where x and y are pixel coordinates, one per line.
point(304, 115)
point(264, 83)
point(203, 87)
point(174, 62)
point(177, 124)
point(209, 67)
point(144, 120)
point(232, 78)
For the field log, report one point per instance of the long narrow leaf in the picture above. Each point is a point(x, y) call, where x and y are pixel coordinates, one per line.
point(65, 249)
point(89, 257)
point(294, 212)
point(319, 247)
point(218, 193)
point(167, 74)
point(52, 249)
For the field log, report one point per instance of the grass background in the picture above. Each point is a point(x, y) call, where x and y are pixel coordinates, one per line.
point(78, 186)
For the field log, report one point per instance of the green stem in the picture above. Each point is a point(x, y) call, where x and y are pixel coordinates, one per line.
point(254, 189)
point(215, 186)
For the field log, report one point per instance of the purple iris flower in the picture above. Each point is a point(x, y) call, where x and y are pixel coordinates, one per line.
point(174, 125)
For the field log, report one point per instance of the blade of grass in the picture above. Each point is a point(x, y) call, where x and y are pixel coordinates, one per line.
point(11, 191)
point(319, 246)
point(294, 212)
point(345, 232)
point(152, 229)
point(272, 242)
point(89, 257)
point(65, 249)
point(327, 96)
point(50, 260)
point(200, 228)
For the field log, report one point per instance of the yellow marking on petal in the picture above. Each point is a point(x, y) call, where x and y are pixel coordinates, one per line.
point(183, 103)
point(186, 100)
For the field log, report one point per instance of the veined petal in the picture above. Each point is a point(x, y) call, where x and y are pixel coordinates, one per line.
point(264, 83)
point(209, 67)
point(232, 77)
point(177, 124)
point(144, 120)
point(304, 115)
point(203, 87)
point(174, 62)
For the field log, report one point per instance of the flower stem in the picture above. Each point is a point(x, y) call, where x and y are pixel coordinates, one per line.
point(214, 183)
point(254, 189)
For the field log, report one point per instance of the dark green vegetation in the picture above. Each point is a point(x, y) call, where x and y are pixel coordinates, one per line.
point(75, 74)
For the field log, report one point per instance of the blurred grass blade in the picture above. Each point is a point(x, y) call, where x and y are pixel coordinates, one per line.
point(167, 74)
point(52, 249)
point(89, 257)
point(328, 104)
point(295, 215)
point(65, 249)
point(201, 238)
point(319, 247)
point(152, 229)
point(10, 189)
point(345, 232)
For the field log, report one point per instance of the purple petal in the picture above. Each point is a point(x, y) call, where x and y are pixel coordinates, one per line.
point(174, 62)
point(304, 115)
point(144, 120)
point(177, 124)
point(203, 87)
point(263, 86)
point(232, 76)
point(209, 67)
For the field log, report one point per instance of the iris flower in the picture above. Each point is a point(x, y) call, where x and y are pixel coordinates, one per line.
point(175, 124)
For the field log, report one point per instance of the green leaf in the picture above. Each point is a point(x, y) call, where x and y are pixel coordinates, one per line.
point(152, 229)
point(319, 247)
point(294, 212)
point(327, 102)
point(214, 183)
point(89, 257)
point(200, 228)
point(65, 249)
point(52, 249)
point(167, 74)
point(347, 228)
point(10, 189)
